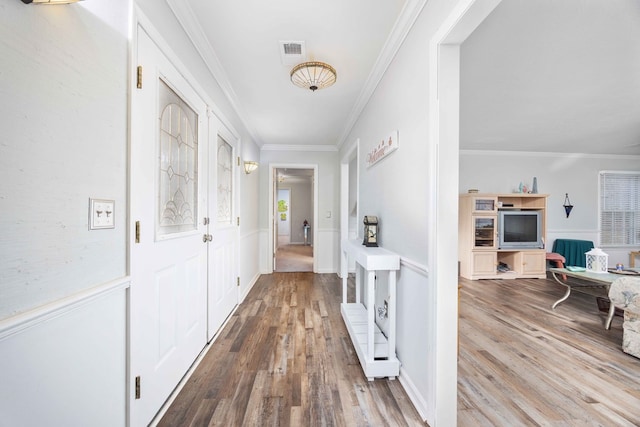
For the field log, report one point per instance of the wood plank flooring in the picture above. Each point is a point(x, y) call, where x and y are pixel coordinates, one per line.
point(285, 359)
point(523, 364)
point(294, 258)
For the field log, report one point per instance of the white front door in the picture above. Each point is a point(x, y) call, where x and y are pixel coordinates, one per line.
point(223, 256)
point(168, 254)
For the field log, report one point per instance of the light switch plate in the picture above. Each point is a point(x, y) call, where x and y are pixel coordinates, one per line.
point(101, 214)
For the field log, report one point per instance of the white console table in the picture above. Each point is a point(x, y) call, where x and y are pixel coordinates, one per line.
point(378, 359)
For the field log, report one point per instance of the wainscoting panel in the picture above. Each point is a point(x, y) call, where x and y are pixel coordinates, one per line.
point(328, 251)
point(416, 334)
point(65, 364)
point(250, 266)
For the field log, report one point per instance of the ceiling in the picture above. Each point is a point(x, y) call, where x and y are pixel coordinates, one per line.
point(241, 42)
point(553, 76)
point(537, 75)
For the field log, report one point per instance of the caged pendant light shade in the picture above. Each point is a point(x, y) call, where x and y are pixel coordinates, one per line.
point(313, 75)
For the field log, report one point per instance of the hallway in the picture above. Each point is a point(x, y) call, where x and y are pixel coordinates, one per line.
point(294, 258)
point(285, 358)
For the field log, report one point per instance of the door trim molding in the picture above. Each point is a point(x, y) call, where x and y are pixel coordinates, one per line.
point(270, 207)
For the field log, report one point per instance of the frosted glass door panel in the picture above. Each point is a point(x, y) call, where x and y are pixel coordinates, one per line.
point(225, 180)
point(178, 170)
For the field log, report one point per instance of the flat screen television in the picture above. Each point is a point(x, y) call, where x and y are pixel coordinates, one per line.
point(520, 230)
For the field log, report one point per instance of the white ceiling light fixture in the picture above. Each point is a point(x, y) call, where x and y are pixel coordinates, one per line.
point(49, 1)
point(313, 75)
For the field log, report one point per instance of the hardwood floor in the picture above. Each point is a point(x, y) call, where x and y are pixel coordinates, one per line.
point(294, 258)
point(523, 364)
point(285, 359)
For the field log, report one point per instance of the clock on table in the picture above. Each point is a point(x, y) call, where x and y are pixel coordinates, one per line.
point(370, 230)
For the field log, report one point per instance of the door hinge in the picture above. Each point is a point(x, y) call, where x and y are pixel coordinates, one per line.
point(139, 77)
point(206, 221)
point(137, 231)
point(238, 280)
point(238, 160)
point(138, 387)
point(238, 221)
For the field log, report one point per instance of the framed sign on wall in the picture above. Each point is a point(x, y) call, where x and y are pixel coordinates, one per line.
point(385, 147)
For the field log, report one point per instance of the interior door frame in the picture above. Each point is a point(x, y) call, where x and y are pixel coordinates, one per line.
point(272, 209)
point(353, 152)
point(444, 128)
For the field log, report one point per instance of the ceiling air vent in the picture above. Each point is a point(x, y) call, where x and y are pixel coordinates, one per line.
point(292, 52)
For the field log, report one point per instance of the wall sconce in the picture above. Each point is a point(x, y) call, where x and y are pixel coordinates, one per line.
point(48, 1)
point(250, 167)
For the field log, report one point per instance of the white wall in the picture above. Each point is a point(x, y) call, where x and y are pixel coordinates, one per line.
point(64, 123)
point(63, 288)
point(558, 174)
point(301, 208)
point(327, 233)
point(249, 232)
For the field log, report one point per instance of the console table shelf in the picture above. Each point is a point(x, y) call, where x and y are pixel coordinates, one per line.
point(378, 359)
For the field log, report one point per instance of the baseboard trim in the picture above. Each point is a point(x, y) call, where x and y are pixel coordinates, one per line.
point(413, 393)
point(252, 283)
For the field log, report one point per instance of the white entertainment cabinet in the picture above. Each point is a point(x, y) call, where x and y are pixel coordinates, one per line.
point(478, 251)
point(376, 352)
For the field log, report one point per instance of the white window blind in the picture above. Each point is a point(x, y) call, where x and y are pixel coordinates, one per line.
point(619, 208)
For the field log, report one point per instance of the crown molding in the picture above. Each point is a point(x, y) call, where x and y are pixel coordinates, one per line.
point(282, 147)
point(548, 154)
point(404, 23)
point(189, 23)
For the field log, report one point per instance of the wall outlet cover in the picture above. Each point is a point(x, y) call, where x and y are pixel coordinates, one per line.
point(101, 214)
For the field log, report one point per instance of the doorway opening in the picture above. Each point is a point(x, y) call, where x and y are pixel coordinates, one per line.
point(349, 194)
point(294, 219)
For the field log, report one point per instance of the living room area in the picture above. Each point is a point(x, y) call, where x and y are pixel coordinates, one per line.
point(547, 99)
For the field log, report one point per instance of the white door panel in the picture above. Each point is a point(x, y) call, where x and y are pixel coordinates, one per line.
point(169, 161)
point(223, 255)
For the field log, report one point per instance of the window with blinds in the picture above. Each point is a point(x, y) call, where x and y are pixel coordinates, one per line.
point(619, 208)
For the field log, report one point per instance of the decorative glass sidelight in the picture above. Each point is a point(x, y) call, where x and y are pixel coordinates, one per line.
point(178, 164)
point(225, 182)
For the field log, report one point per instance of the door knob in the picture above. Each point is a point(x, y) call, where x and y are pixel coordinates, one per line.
point(207, 238)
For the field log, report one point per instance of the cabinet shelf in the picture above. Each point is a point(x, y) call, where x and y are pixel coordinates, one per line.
point(478, 252)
